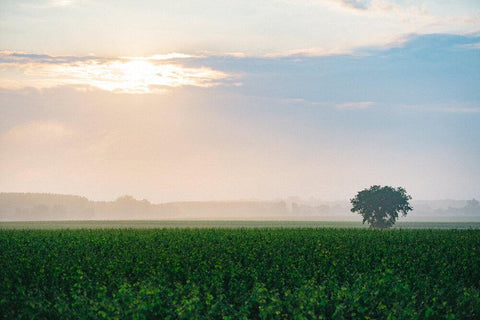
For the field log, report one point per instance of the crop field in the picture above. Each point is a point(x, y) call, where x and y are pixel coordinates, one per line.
point(240, 273)
point(153, 224)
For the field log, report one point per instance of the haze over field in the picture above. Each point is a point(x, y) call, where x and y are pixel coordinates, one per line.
point(176, 101)
point(55, 207)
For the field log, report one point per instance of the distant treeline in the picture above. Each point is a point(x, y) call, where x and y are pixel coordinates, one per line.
point(42, 206)
point(37, 206)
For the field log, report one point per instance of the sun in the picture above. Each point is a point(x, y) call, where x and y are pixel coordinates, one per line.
point(143, 76)
point(135, 75)
point(136, 72)
point(127, 76)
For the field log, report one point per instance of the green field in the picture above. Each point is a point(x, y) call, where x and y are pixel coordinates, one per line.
point(240, 273)
point(142, 224)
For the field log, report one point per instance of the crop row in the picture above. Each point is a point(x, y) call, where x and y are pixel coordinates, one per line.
point(240, 273)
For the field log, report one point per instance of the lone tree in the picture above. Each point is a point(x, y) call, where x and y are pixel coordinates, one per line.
point(380, 206)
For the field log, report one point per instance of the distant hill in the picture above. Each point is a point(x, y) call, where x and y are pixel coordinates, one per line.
point(42, 206)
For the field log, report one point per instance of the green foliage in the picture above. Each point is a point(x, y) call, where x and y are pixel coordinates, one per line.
point(380, 206)
point(240, 274)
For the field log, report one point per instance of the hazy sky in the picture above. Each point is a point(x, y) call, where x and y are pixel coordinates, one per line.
point(217, 100)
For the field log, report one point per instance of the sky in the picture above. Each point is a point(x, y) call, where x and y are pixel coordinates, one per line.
point(223, 100)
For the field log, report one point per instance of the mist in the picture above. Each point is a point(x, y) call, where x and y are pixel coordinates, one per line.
point(196, 147)
point(57, 207)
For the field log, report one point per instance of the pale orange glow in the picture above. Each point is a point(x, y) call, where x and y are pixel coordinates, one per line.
point(135, 75)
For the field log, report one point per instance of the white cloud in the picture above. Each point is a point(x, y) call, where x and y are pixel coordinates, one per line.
point(256, 28)
point(355, 105)
point(310, 52)
point(447, 107)
point(474, 46)
point(376, 6)
point(380, 24)
point(153, 74)
point(61, 3)
point(413, 16)
point(168, 56)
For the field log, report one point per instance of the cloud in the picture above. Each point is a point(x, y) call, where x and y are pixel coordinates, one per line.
point(355, 105)
point(370, 6)
point(168, 56)
point(381, 24)
point(311, 52)
point(61, 3)
point(153, 74)
point(52, 4)
point(416, 18)
point(11, 57)
point(473, 46)
point(460, 108)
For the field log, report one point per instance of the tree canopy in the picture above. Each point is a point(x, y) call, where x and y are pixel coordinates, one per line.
point(380, 206)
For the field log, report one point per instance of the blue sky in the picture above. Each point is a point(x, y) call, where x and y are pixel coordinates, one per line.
point(239, 100)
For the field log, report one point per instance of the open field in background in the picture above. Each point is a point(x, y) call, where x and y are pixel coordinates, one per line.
point(100, 224)
point(256, 273)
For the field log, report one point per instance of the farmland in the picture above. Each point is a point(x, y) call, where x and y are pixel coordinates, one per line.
point(153, 224)
point(249, 273)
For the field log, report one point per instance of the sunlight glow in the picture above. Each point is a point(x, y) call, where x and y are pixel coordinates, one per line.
point(136, 75)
